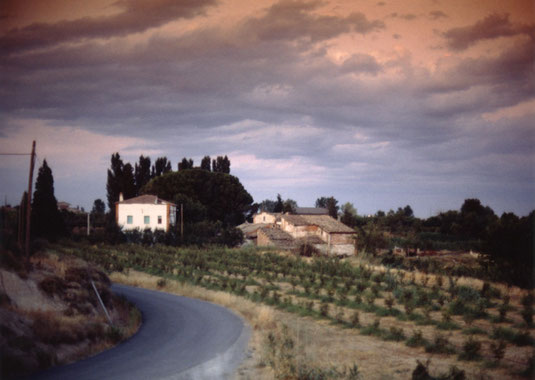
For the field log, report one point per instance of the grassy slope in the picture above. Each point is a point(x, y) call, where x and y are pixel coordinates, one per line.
point(50, 315)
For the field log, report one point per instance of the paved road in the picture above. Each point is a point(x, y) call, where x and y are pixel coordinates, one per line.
point(180, 338)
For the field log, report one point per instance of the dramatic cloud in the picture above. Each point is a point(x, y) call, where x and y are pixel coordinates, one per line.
point(136, 16)
point(291, 19)
point(307, 98)
point(492, 26)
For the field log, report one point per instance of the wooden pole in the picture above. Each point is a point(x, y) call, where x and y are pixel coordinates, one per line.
point(29, 205)
point(181, 221)
point(88, 224)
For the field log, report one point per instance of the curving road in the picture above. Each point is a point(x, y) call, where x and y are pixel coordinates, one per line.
point(180, 338)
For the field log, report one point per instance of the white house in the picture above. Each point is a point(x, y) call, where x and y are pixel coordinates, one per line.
point(145, 211)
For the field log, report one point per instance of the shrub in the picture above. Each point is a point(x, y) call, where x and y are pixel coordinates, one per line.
point(355, 319)
point(307, 250)
point(52, 285)
point(115, 334)
point(421, 372)
point(395, 334)
point(457, 307)
point(324, 309)
point(517, 338)
point(339, 316)
point(409, 307)
point(471, 350)
point(416, 339)
point(498, 350)
point(373, 329)
point(389, 302)
point(527, 315)
point(370, 298)
point(503, 312)
point(440, 345)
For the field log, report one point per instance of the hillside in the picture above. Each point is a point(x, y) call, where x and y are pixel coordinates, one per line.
point(328, 315)
point(50, 314)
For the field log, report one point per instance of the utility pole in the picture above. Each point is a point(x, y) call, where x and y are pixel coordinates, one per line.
point(88, 224)
point(29, 204)
point(181, 221)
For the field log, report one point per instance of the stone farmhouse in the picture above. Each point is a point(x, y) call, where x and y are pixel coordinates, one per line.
point(145, 211)
point(288, 231)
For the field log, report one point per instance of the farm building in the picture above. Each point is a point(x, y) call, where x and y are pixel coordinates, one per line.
point(145, 211)
point(338, 238)
point(288, 231)
point(267, 218)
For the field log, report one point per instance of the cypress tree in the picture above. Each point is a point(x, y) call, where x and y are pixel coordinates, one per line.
point(46, 219)
point(142, 173)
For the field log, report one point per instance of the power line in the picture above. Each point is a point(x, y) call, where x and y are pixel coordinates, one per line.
point(15, 154)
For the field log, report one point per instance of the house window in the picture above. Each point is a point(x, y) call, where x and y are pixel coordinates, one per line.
point(146, 219)
point(159, 219)
point(129, 219)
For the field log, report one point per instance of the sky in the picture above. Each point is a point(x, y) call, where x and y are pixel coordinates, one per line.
point(379, 103)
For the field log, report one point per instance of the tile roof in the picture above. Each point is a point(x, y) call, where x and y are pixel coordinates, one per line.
point(252, 228)
point(325, 222)
point(145, 199)
point(278, 237)
point(311, 211)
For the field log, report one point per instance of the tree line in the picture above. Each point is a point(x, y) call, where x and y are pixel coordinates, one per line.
point(506, 242)
point(129, 180)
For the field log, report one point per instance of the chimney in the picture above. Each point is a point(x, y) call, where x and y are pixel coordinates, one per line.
point(121, 198)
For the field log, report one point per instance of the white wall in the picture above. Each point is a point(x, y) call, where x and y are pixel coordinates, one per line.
point(138, 213)
point(264, 217)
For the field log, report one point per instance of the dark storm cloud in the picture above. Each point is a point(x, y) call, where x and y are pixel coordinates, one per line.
point(491, 27)
point(291, 19)
point(137, 16)
point(202, 79)
point(268, 87)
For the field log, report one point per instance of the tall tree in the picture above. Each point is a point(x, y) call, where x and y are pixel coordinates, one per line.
point(221, 165)
point(99, 207)
point(330, 204)
point(45, 217)
point(476, 219)
point(289, 206)
point(185, 164)
point(349, 214)
point(120, 180)
point(128, 182)
point(279, 205)
point(205, 163)
point(222, 196)
point(142, 174)
point(267, 205)
point(161, 166)
point(114, 184)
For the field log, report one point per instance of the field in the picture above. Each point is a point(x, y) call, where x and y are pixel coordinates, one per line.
point(338, 318)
